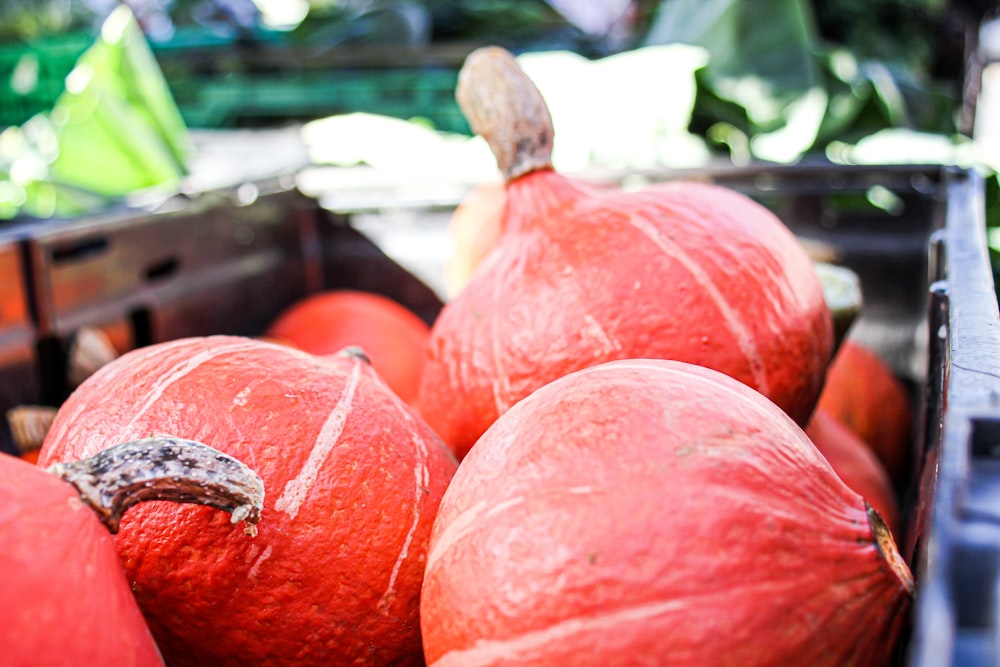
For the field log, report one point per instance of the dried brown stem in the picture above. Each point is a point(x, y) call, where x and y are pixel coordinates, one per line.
point(89, 350)
point(165, 468)
point(842, 292)
point(886, 546)
point(503, 105)
point(29, 424)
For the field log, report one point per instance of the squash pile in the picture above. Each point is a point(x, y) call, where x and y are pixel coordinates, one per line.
point(605, 451)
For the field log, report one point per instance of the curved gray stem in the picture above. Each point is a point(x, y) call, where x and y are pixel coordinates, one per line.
point(165, 468)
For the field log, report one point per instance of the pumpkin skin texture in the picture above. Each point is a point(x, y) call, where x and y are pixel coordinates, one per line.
point(856, 464)
point(66, 601)
point(863, 392)
point(692, 272)
point(647, 512)
point(392, 337)
point(687, 271)
point(353, 481)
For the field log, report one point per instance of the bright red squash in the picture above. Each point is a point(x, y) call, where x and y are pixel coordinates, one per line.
point(65, 597)
point(856, 463)
point(654, 512)
point(863, 392)
point(687, 271)
point(354, 479)
point(393, 337)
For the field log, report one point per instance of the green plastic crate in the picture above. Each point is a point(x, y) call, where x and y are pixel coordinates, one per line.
point(271, 80)
point(238, 99)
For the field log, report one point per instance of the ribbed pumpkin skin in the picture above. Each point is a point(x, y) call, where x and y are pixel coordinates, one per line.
point(863, 392)
point(65, 600)
point(392, 337)
point(856, 463)
point(649, 512)
point(352, 477)
point(685, 271)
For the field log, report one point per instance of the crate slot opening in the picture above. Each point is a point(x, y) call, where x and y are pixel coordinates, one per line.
point(985, 438)
point(975, 562)
point(81, 249)
point(162, 269)
point(142, 326)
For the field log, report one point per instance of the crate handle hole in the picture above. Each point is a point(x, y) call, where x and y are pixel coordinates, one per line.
point(161, 270)
point(985, 438)
point(81, 249)
point(142, 326)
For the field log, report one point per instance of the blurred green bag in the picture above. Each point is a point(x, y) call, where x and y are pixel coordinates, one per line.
point(114, 130)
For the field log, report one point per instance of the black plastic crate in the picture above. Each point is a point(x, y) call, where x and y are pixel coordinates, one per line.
point(957, 528)
point(19, 368)
point(224, 261)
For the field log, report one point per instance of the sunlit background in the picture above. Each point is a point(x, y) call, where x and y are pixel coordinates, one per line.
point(161, 88)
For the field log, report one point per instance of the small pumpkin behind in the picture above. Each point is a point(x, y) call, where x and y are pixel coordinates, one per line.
point(864, 394)
point(392, 337)
point(856, 463)
point(474, 229)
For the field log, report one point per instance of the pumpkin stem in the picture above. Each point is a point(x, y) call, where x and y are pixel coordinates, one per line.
point(89, 350)
point(355, 352)
point(165, 468)
point(503, 105)
point(886, 546)
point(29, 424)
point(842, 292)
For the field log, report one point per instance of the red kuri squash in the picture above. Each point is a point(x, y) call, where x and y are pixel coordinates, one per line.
point(354, 478)
point(686, 271)
point(863, 392)
point(393, 337)
point(655, 512)
point(65, 597)
point(856, 463)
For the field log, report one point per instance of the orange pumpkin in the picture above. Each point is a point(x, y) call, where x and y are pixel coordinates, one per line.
point(353, 481)
point(653, 512)
point(391, 336)
point(581, 275)
point(856, 464)
point(864, 394)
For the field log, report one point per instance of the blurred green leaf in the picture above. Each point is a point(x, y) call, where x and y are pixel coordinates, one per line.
point(762, 53)
point(117, 111)
point(114, 130)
